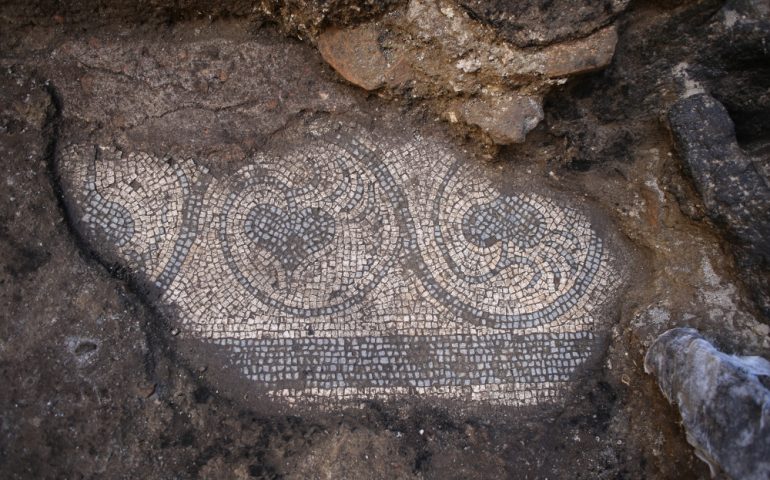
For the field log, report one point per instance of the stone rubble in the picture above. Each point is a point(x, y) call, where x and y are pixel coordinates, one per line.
point(436, 51)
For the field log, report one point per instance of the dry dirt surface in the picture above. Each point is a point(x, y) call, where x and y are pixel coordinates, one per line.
point(110, 370)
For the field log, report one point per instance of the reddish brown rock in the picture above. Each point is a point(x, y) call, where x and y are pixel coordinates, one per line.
point(355, 54)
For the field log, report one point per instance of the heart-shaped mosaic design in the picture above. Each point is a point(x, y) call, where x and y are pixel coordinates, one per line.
point(290, 236)
point(505, 219)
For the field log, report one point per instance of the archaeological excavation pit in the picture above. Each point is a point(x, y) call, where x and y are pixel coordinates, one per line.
point(413, 239)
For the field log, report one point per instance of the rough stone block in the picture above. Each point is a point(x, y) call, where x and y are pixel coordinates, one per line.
point(734, 186)
point(723, 399)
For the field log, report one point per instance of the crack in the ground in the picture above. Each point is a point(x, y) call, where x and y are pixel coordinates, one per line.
point(154, 324)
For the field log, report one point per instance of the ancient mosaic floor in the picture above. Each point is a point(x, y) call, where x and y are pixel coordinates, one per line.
point(352, 265)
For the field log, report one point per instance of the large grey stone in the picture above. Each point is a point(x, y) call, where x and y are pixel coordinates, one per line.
point(723, 399)
point(734, 185)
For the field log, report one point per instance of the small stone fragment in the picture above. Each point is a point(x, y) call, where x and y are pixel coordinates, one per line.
point(146, 390)
point(469, 65)
point(507, 119)
point(723, 399)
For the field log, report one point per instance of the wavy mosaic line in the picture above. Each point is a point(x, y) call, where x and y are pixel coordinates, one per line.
point(356, 267)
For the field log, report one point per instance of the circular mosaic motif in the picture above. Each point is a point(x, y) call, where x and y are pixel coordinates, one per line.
point(281, 230)
point(506, 261)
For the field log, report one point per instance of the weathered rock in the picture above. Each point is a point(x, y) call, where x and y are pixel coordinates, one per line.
point(355, 54)
point(540, 22)
point(734, 186)
point(443, 53)
point(740, 33)
point(447, 37)
point(580, 56)
point(507, 119)
point(723, 399)
point(457, 38)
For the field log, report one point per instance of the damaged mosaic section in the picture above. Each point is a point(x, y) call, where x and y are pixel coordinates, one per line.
point(354, 266)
